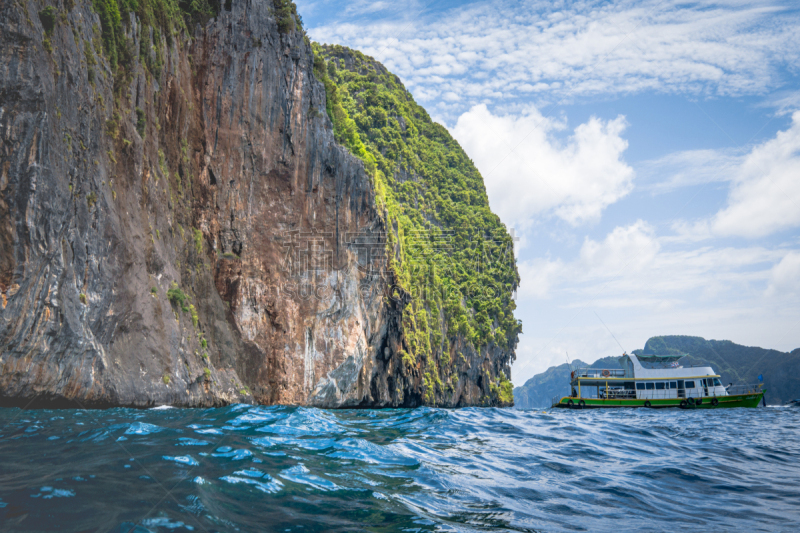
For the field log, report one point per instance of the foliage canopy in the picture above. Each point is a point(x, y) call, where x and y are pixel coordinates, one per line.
point(448, 250)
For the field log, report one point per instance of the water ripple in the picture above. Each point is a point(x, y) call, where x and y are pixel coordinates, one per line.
point(285, 468)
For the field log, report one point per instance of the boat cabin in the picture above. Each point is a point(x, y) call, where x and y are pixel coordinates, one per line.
point(647, 377)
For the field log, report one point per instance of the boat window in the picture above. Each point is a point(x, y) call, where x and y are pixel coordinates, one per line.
point(628, 385)
point(659, 385)
point(650, 386)
point(717, 382)
point(673, 384)
point(640, 386)
point(690, 384)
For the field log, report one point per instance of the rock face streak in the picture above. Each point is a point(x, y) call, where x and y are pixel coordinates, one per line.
point(217, 179)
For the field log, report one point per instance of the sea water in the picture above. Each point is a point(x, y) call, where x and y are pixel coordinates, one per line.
point(246, 468)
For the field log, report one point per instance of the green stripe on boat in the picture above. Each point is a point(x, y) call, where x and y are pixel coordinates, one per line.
point(742, 400)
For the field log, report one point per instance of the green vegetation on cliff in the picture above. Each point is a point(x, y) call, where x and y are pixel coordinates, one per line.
point(286, 16)
point(164, 16)
point(168, 18)
point(447, 250)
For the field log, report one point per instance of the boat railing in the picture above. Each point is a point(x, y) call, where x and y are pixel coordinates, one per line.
point(651, 394)
point(620, 394)
point(663, 394)
point(735, 390)
point(600, 373)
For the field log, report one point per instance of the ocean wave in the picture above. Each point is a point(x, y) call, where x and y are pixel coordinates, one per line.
point(426, 469)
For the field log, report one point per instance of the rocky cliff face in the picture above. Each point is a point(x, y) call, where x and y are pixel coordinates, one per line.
point(183, 229)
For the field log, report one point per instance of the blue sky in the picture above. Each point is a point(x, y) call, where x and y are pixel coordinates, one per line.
point(646, 153)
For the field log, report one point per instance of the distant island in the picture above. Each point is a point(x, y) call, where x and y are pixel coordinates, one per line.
point(734, 362)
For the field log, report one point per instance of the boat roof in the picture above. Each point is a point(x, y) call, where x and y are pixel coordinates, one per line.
point(667, 358)
point(651, 359)
point(664, 357)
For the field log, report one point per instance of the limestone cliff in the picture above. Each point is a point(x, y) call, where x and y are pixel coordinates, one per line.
point(178, 224)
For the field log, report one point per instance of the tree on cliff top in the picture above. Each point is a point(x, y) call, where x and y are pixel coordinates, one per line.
point(448, 250)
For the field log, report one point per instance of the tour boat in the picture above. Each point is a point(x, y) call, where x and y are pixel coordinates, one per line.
point(655, 381)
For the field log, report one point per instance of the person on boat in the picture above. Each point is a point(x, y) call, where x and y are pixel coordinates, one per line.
point(574, 393)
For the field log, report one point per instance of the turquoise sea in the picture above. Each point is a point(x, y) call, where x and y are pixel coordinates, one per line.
point(246, 468)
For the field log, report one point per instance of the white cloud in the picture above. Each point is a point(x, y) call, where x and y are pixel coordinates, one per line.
point(633, 267)
point(625, 249)
point(765, 197)
point(784, 102)
point(359, 9)
point(785, 276)
point(644, 285)
point(693, 274)
point(529, 174)
point(687, 168)
point(510, 49)
point(537, 277)
point(764, 190)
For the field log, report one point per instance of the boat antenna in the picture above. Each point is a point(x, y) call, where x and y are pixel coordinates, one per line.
point(604, 324)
